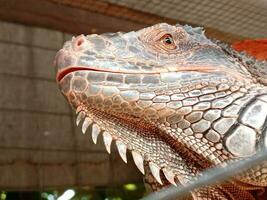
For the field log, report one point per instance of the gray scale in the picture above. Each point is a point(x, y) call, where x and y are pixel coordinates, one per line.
point(177, 97)
point(244, 100)
point(161, 99)
point(222, 103)
point(242, 141)
point(174, 104)
point(201, 126)
point(223, 125)
point(207, 97)
point(132, 79)
point(212, 114)
point(263, 98)
point(96, 76)
point(202, 106)
point(190, 101)
point(231, 111)
point(110, 91)
point(78, 84)
point(213, 136)
point(150, 79)
point(130, 95)
point(208, 90)
point(255, 115)
point(194, 116)
point(194, 93)
point(147, 95)
point(115, 78)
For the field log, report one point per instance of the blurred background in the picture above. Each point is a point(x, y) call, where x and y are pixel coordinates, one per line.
point(43, 155)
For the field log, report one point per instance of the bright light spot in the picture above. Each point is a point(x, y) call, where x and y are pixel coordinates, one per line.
point(67, 195)
point(3, 196)
point(51, 197)
point(130, 187)
point(44, 195)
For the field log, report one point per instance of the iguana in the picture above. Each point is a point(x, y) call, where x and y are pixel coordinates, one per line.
point(178, 101)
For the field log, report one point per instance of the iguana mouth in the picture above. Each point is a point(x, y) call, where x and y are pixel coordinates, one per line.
point(62, 73)
point(202, 69)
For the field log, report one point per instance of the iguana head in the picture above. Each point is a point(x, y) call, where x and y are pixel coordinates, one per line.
point(149, 90)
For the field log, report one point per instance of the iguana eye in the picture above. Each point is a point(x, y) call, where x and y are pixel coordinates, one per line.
point(168, 41)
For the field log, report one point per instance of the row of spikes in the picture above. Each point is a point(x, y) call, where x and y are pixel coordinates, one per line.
point(122, 148)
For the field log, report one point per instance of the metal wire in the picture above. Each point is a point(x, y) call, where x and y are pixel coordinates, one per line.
point(244, 17)
point(209, 177)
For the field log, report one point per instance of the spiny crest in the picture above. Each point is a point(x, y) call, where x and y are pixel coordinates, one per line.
point(256, 67)
point(138, 158)
point(197, 34)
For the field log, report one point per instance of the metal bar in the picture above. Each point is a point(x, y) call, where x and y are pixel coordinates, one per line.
point(209, 177)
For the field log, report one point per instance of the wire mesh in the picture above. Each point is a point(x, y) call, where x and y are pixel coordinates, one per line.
point(247, 18)
point(209, 177)
point(239, 19)
point(225, 20)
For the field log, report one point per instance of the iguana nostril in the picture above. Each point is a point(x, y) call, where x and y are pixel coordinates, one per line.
point(78, 42)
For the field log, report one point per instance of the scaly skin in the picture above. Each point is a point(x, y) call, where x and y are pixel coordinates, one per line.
point(178, 101)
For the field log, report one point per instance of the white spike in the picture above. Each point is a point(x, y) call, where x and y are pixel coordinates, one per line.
point(79, 118)
point(169, 176)
point(122, 149)
point(138, 160)
point(87, 122)
point(79, 109)
point(155, 170)
point(107, 138)
point(95, 132)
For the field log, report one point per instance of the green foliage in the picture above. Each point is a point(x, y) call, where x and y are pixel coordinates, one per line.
point(128, 191)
